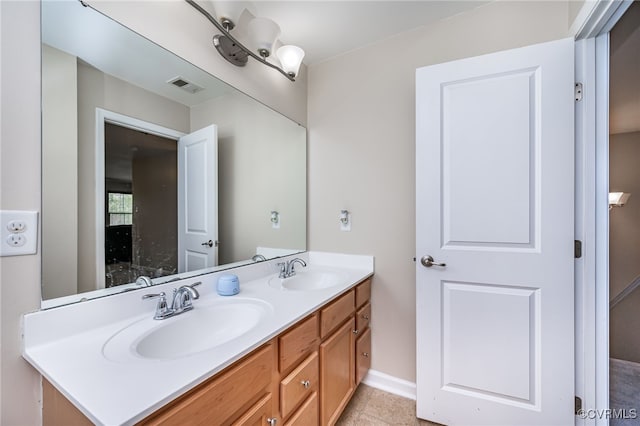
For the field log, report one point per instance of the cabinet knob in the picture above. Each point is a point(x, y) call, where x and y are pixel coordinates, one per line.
point(365, 354)
point(355, 332)
point(271, 421)
point(306, 384)
point(365, 317)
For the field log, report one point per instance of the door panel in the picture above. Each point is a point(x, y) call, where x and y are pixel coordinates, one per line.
point(494, 204)
point(501, 194)
point(198, 200)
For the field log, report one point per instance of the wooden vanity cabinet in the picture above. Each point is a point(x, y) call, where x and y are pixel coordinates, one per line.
point(341, 369)
point(304, 377)
point(240, 395)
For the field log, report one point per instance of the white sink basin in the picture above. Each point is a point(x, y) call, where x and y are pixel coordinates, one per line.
point(309, 279)
point(203, 328)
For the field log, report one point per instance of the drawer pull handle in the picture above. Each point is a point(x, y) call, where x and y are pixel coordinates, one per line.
point(365, 317)
point(271, 421)
point(355, 332)
point(365, 354)
point(306, 384)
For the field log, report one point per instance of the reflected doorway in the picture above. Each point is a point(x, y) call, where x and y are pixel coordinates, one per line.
point(141, 217)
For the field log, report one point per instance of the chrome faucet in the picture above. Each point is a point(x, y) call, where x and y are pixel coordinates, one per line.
point(182, 298)
point(182, 301)
point(144, 281)
point(258, 258)
point(287, 269)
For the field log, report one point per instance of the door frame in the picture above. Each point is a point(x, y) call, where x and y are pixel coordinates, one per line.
point(103, 117)
point(592, 27)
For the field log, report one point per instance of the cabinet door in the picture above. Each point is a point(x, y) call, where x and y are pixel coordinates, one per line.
point(256, 415)
point(363, 355)
point(337, 372)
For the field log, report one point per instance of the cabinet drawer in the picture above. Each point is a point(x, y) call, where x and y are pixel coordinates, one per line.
point(299, 384)
point(307, 414)
point(298, 342)
point(363, 293)
point(256, 415)
point(336, 313)
point(363, 355)
point(363, 317)
point(222, 399)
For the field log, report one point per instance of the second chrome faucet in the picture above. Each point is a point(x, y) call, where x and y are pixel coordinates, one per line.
point(287, 269)
point(182, 301)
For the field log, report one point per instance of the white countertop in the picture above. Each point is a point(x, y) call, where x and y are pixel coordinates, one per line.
point(65, 344)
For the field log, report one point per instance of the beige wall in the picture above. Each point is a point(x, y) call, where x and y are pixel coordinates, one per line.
point(59, 181)
point(361, 120)
point(261, 167)
point(20, 181)
point(99, 90)
point(624, 252)
point(20, 190)
point(624, 224)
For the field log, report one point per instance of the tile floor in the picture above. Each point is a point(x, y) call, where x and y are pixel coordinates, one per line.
point(624, 382)
point(373, 407)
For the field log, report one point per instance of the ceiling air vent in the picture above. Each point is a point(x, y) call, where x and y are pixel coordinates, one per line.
point(185, 85)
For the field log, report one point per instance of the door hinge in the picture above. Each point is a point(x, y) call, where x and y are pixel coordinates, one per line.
point(578, 405)
point(578, 92)
point(577, 249)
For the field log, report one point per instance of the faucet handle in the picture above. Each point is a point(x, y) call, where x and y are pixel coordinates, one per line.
point(283, 269)
point(161, 295)
point(162, 310)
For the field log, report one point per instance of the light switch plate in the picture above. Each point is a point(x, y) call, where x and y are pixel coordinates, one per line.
point(18, 232)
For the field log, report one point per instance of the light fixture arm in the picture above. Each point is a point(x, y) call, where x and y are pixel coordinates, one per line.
point(234, 40)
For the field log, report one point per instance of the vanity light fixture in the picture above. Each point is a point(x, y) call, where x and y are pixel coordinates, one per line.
point(618, 199)
point(264, 33)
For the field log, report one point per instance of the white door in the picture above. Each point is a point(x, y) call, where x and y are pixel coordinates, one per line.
point(494, 188)
point(198, 200)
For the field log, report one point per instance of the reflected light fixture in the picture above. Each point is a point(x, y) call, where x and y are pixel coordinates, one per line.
point(618, 199)
point(263, 33)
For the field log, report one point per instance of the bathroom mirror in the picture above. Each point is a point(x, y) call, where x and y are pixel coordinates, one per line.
point(151, 166)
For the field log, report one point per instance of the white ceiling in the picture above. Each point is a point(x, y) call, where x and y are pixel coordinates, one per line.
point(325, 29)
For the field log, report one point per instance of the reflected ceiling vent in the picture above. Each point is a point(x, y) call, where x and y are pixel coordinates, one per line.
point(185, 85)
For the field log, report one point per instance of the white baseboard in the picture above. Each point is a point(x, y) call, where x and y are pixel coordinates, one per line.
point(387, 383)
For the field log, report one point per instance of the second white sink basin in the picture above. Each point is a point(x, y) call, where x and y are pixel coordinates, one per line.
point(309, 279)
point(203, 328)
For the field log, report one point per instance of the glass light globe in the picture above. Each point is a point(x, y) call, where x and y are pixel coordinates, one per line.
point(264, 33)
point(290, 57)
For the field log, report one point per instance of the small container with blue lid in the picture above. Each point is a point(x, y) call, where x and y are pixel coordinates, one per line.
point(228, 285)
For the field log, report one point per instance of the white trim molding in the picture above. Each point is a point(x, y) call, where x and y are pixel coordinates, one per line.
point(598, 17)
point(391, 384)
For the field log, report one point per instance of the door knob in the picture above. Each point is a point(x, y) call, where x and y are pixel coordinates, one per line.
point(208, 243)
point(427, 261)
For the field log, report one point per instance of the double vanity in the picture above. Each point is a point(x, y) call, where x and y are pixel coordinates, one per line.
point(282, 351)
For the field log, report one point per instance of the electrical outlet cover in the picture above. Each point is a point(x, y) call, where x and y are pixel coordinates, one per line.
point(18, 232)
